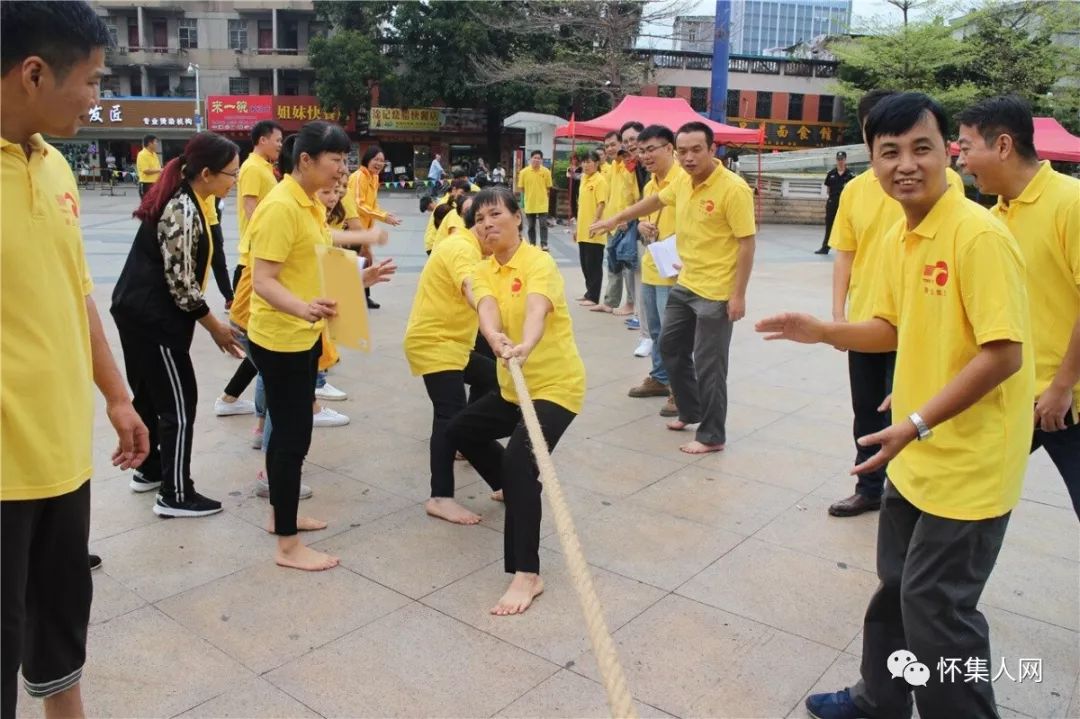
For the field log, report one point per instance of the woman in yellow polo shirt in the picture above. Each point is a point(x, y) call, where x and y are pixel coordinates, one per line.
point(440, 341)
point(592, 196)
point(364, 187)
point(157, 301)
point(288, 312)
point(522, 307)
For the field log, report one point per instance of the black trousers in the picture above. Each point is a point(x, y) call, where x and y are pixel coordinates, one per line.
point(830, 217)
point(541, 219)
point(289, 378)
point(1063, 447)
point(245, 372)
point(237, 271)
point(144, 187)
point(513, 470)
point(162, 380)
point(45, 594)
point(447, 392)
point(932, 571)
point(871, 382)
point(592, 266)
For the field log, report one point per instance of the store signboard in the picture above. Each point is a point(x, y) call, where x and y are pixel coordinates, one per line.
point(238, 112)
point(292, 111)
point(143, 113)
point(428, 119)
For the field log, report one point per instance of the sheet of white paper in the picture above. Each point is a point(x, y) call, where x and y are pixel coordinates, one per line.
point(665, 256)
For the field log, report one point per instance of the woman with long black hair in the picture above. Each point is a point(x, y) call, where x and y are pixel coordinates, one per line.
point(157, 302)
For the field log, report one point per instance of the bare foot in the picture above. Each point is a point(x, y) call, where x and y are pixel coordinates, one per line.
point(303, 524)
point(624, 311)
point(677, 425)
point(600, 308)
point(446, 508)
point(696, 447)
point(497, 496)
point(524, 588)
point(586, 303)
point(306, 558)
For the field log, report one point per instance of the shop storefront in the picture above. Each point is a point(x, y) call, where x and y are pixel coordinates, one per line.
point(108, 144)
point(411, 137)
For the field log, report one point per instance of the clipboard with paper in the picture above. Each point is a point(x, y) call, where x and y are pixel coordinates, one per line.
point(342, 281)
point(666, 256)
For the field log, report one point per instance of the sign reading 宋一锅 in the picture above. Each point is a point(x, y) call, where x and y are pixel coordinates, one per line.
point(237, 113)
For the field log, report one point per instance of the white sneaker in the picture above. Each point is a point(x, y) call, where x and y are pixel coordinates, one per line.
point(644, 348)
point(262, 487)
point(228, 409)
point(330, 392)
point(327, 417)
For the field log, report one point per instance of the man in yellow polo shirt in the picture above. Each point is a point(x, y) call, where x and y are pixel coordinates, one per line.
point(52, 350)
point(866, 213)
point(148, 164)
point(952, 302)
point(534, 182)
point(657, 144)
point(714, 235)
point(1042, 209)
point(256, 178)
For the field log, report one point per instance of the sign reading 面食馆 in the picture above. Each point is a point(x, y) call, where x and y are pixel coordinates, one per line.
point(428, 119)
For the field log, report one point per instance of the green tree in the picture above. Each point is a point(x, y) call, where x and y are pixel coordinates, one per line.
point(347, 64)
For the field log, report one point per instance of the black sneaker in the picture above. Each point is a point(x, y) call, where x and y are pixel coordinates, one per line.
point(140, 483)
point(95, 562)
point(194, 505)
point(372, 304)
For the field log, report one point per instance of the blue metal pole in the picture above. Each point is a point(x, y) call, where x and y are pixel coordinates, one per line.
point(721, 53)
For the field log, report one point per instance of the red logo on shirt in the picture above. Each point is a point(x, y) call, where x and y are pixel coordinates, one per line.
point(515, 286)
point(68, 202)
point(708, 206)
point(937, 273)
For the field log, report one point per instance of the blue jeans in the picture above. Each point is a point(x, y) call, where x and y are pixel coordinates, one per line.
point(320, 379)
point(654, 298)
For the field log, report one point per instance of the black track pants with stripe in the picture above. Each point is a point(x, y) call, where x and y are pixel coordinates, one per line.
point(162, 380)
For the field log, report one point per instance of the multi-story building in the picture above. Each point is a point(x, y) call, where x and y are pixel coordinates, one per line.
point(794, 99)
point(764, 27)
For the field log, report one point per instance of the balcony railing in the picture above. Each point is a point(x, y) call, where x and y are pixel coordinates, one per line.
point(683, 60)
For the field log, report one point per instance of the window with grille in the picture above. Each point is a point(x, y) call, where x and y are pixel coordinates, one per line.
point(238, 86)
point(732, 103)
point(665, 91)
point(186, 87)
point(795, 106)
point(699, 99)
point(188, 34)
point(764, 105)
point(238, 35)
point(825, 108)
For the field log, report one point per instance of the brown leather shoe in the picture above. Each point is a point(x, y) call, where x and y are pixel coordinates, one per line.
point(854, 505)
point(669, 409)
point(650, 387)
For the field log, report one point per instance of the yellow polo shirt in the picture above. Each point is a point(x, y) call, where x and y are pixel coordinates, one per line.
point(441, 331)
point(665, 223)
point(866, 213)
point(1045, 219)
point(256, 179)
point(208, 206)
point(950, 285)
point(431, 229)
point(592, 191)
point(364, 193)
point(554, 370)
point(709, 219)
point(286, 227)
point(46, 370)
point(534, 184)
point(451, 224)
point(616, 199)
point(147, 160)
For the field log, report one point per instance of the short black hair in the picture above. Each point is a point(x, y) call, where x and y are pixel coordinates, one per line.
point(61, 33)
point(632, 125)
point(1003, 115)
point(534, 153)
point(869, 100)
point(425, 203)
point(457, 172)
point(440, 213)
point(370, 154)
point(695, 126)
point(654, 132)
point(593, 155)
point(614, 134)
point(147, 139)
point(496, 195)
point(314, 138)
point(264, 128)
point(900, 112)
point(460, 183)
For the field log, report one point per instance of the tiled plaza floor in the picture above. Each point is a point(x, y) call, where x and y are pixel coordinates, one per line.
point(729, 590)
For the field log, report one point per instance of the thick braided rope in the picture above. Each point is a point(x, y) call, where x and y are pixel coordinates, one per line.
point(611, 671)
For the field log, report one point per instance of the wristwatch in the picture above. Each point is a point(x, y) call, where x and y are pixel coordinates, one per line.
point(920, 426)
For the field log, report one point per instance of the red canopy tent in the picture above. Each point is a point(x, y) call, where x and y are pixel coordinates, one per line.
point(671, 112)
point(1052, 141)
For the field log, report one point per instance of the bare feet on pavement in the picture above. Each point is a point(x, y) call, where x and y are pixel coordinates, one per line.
point(524, 588)
point(600, 308)
point(446, 508)
point(304, 524)
point(677, 425)
point(306, 558)
point(696, 447)
point(623, 311)
point(497, 496)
